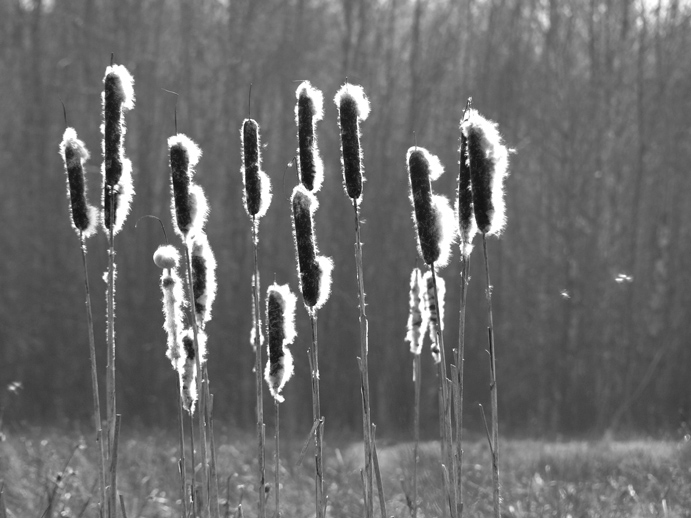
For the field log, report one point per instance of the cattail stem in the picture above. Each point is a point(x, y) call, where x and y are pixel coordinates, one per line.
point(94, 375)
point(458, 380)
point(364, 366)
point(201, 412)
point(317, 417)
point(277, 472)
point(213, 479)
point(261, 438)
point(193, 487)
point(110, 367)
point(447, 456)
point(417, 373)
point(492, 388)
point(181, 465)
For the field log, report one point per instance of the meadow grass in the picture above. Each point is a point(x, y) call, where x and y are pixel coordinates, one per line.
point(642, 478)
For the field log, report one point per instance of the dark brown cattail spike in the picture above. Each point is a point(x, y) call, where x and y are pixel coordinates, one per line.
point(188, 207)
point(432, 214)
point(308, 111)
point(314, 271)
point(488, 162)
point(74, 154)
point(257, 196)
point(353, 107)
point(118, 97)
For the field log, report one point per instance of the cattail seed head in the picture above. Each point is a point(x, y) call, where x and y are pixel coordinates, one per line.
point(187, 370)
point(488, 162)
point(467, 228)
point(203, 277)
point(417, 324)
point(280, 323)
point(435, 315)
point(184, 156)
point(74, 154)
point(314, 271)
point(257, 196)
point(353, 107)
point(432, 214)
point(166, 256)
point(308, 110)
point(117, 97)
point(173, 302)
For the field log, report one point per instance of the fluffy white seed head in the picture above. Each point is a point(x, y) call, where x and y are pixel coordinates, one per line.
point(126, 84)
point(166, 256)
point(489, 159)
point(203, 277)
point(434, 314)
point(357, 93)
point(417, 320)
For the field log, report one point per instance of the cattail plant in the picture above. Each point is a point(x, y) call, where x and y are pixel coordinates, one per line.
point(308, 111)
point(488, 163)
point(167, 258)
point(85, 222)
point(433, 219)
point(117, 97)
point(257, 198)
point(467, 228)
point(314, 273)
point(434, 310)
point(189, 209)
point(280, 328)
point(417, 329)
point(353, 108)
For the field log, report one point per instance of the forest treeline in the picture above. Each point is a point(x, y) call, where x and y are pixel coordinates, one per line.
point(590, 286)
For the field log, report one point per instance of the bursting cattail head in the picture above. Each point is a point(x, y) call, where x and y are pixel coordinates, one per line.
point(314, 271)
point(432, 213)
point(280, 324)
point(353, 107)
point(309, 110)
point(74, 154)
point(117, 97)
point(167, 258)
point(188, 207)
point(187, 370)
point(203, 277)
point(435, 315)
point(257, 196)
point(467, 228)
point(488, 162)
point(417, 320)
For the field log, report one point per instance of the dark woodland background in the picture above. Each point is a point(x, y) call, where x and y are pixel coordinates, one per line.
point(591, 277)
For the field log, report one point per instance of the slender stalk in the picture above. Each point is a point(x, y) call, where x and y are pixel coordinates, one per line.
point(213, 480)
point(114, 465)
point(458, 380)
point(380, 485)
point(94, 377)
point(193, 488)
point(278, 464)
point(201, 412)
point(493, 389)
point(447, 456)
point(417, 373)
point(261, 438)
point(110, 367)
point(316, 414)
point(181, 464)
point(364, 366)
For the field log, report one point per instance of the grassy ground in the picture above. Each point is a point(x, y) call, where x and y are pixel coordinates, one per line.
point(55, 471)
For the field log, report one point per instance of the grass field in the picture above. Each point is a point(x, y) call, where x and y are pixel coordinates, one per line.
point(54, 473)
